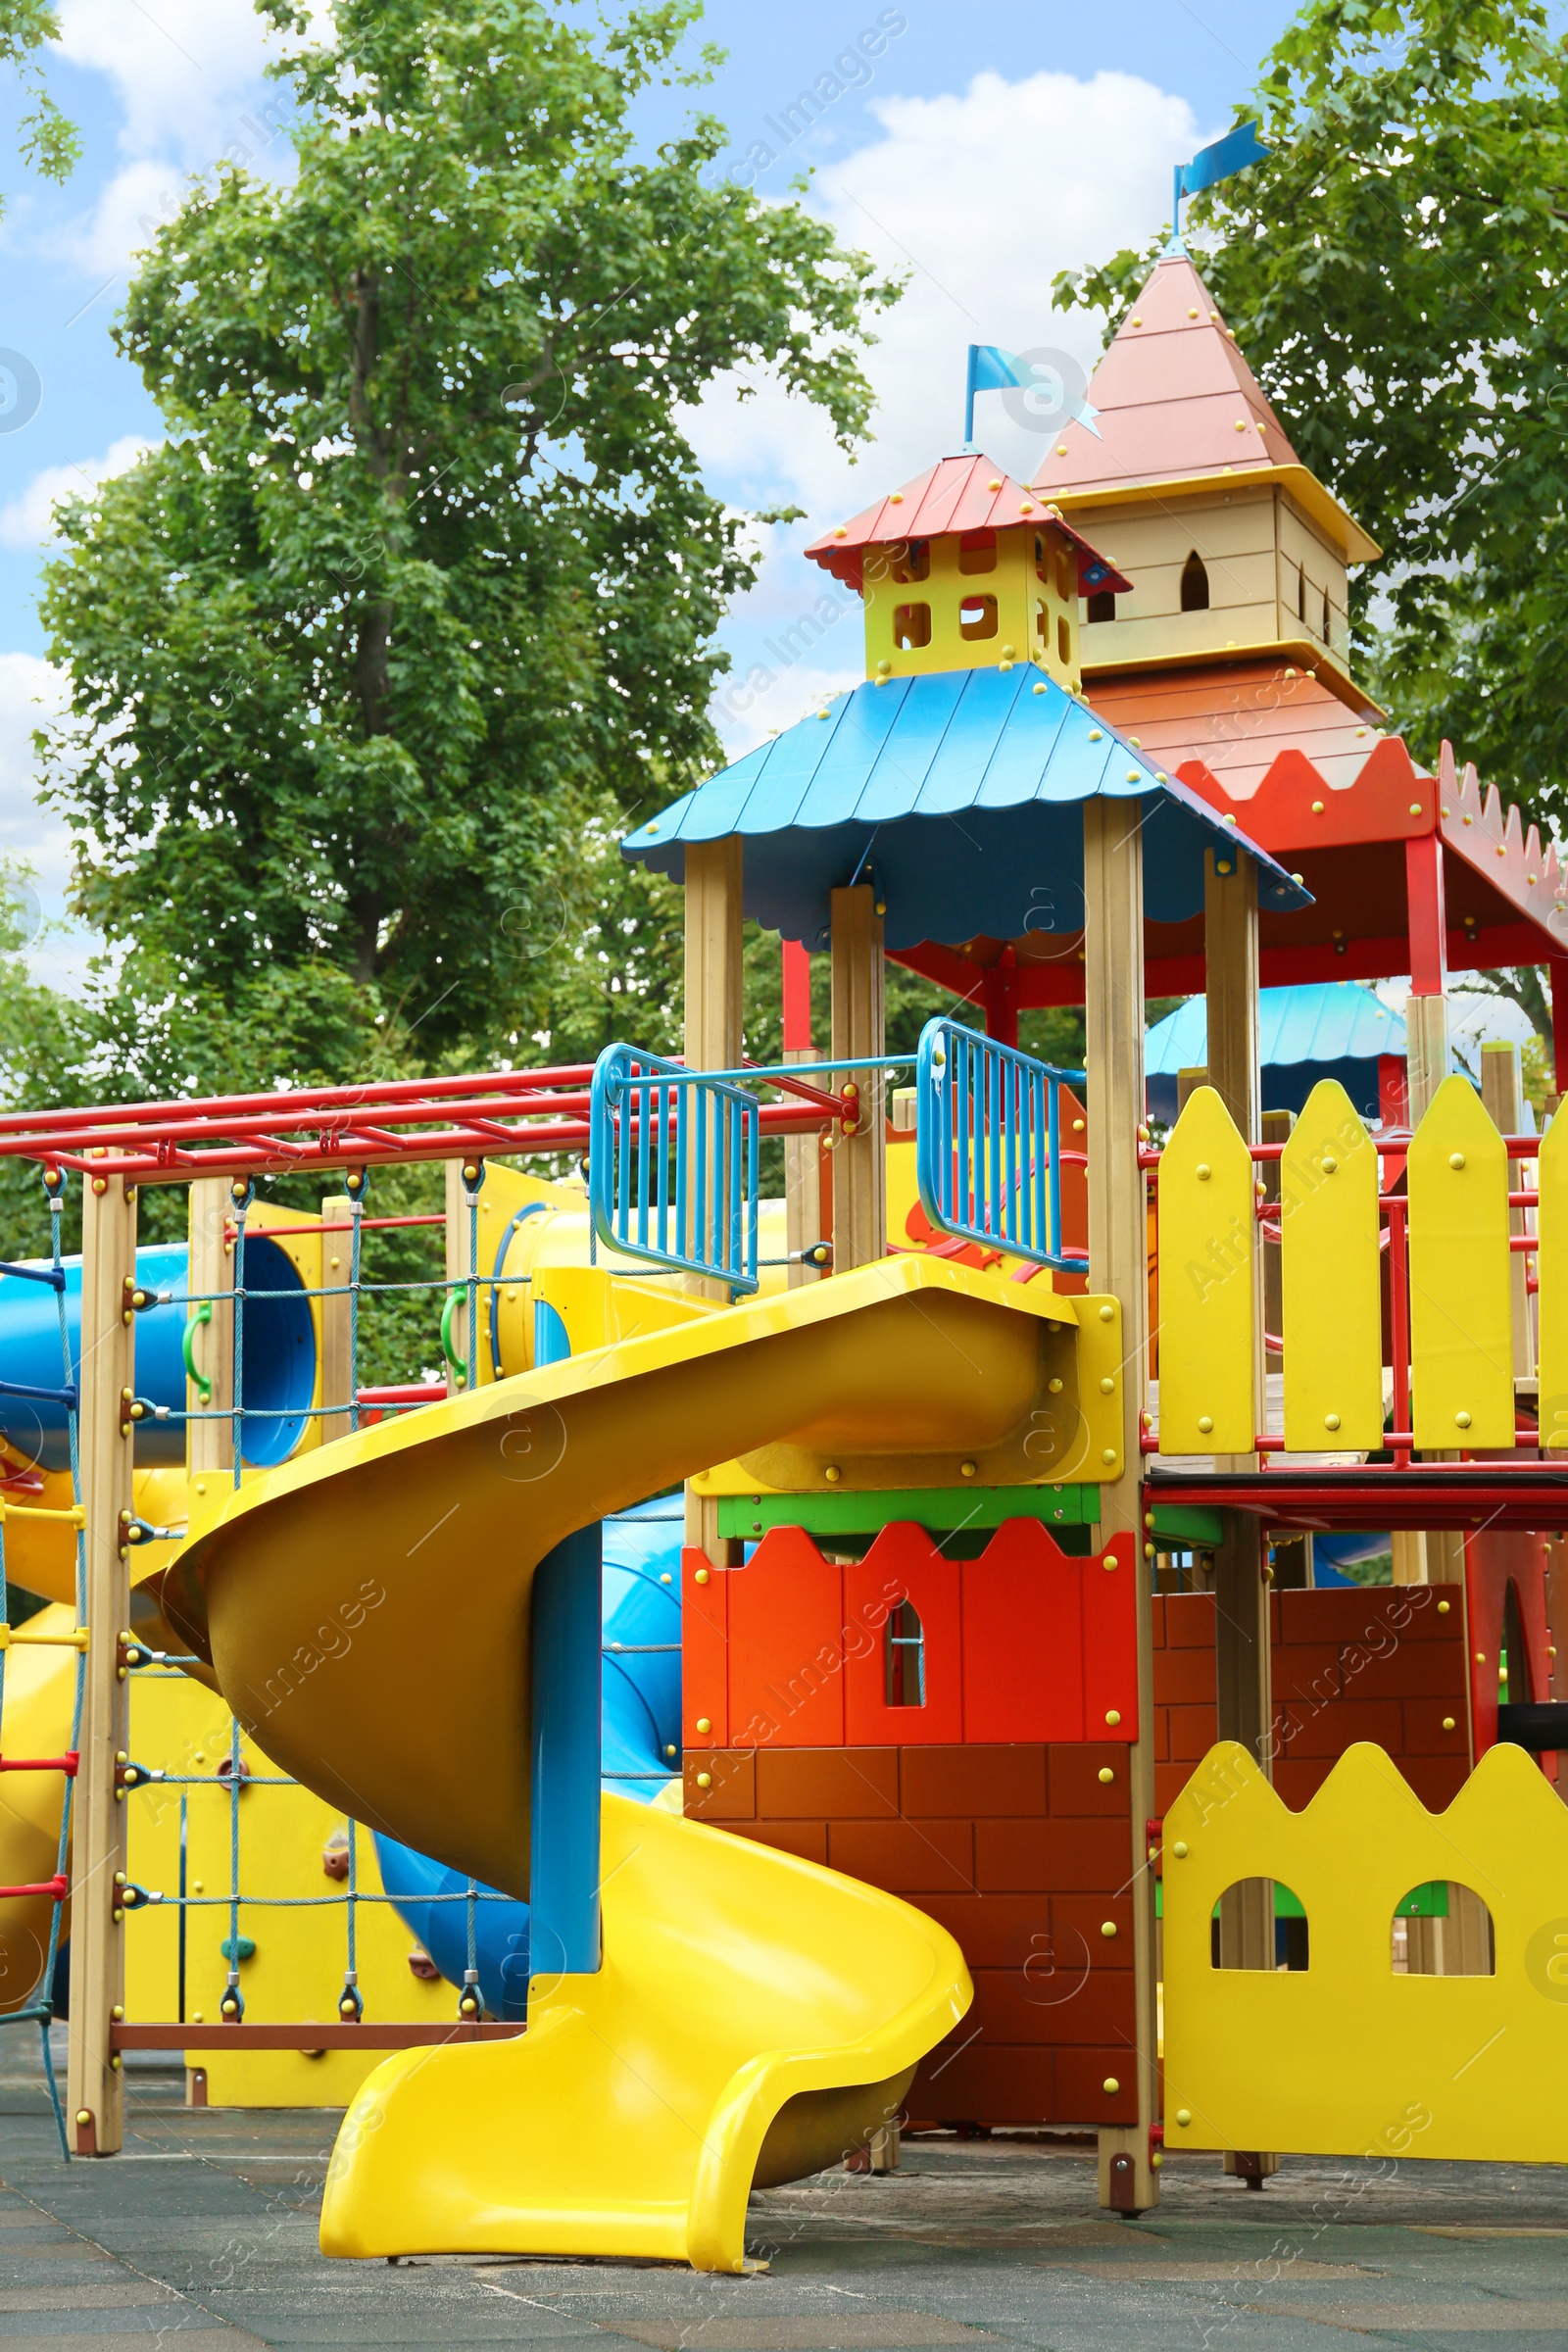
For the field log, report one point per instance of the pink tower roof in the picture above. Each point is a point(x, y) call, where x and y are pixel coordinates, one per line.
point(956, 494)
point(1174, 399)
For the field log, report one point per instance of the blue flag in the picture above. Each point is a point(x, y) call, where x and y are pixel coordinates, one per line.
point(1231, 154)
point(990, 370)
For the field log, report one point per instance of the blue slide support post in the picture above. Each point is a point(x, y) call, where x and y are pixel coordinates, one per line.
point(564, 1875)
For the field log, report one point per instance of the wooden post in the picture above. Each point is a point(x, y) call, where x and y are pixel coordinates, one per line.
point(860, 1163)
point(803, 1154)
point(713, 1036)
point(210, 1445)
point(107, 1382)
point(1118, 1262)
point(337, 1371)
point(1243, 1682)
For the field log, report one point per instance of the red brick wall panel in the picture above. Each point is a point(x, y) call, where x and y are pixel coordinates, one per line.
point(1081, 2076)
point(1075, 1784)
point(1304, 1731)
point(731, 1791)
point(996, 1931)
point(1077, 1931)
point(1069, 2006)
point(1188, 1621)
point(968, 2081)
point(1184, 1677)
point(1191, 1734)
point(1076, 1856)
point(903, 1564)
point(1424, 1734)
point(808, 1839)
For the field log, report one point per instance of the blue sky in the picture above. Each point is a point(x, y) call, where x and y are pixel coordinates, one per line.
point(979, 150)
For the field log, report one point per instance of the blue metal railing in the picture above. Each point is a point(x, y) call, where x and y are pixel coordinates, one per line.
point(672, 1165)
point(988, 1148)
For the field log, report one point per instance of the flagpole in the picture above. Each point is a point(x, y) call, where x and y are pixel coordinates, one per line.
point(968, 397)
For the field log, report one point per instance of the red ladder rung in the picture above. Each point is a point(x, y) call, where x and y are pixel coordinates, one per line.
point(67, 1763)
point(56, 1888)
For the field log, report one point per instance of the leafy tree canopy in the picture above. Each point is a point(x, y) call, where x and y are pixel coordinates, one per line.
point(50, 143)
point(416, 602)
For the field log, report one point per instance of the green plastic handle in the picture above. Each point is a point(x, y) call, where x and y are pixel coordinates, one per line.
point(459, 1365)
point(187, 1340)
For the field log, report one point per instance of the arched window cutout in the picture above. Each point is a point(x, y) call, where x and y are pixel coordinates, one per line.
point(1195, 584)
point(1327, 617)
point(1442, 1930)
point(1259, 1923)
point(912, 627)
point(977, 618)
point(903, 1656)
point(1063, 641)
point(1101, 606)
point(1301, 592)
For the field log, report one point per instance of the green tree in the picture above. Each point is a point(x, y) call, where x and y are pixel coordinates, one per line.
point(1396, 274)
point(50, 143)
point(417, 603)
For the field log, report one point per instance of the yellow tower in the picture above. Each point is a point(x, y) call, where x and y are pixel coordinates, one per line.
point(965, 569)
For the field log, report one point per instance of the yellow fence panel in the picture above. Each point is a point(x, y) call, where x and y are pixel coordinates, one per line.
point(1461, 1304)
point(1552, 1301)
point(1346, 2054)
point(1207, 1252)
point(1330, 1278)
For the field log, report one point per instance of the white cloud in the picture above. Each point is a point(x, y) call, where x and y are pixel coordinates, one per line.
point(980, 198)
point(767, 698)
point(180, 67)
point(31, 692)
point(29, 520)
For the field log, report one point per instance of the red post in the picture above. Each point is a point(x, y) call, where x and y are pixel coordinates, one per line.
point(1394, 1089)
point(1000, 993)
point(1428, 916)
point(796, 997)
point(1557, 970)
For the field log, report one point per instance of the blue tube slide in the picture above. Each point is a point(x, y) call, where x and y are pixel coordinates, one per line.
point(640, 1754)
point(278, 1366)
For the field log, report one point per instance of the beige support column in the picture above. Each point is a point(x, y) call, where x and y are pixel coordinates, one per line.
point(1118, 1262)
point(802, 1191)
point(860, 1163)
point(1427, 1557)
point(1243, 1682)
point(1502, 1092)
point(714, 1006)
point(210, 1445)
point(94, 2087)
point(337, 1253)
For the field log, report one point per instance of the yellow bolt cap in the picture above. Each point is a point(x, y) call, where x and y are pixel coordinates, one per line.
point(1107, 1776)
point(702, 1575)
point(1107, 1386)
point(1179, 1850)
point(704, 1723)
point(1107, 1927)
point(1113, 1716)
point(1111, 2084)
point(1331, 1420)
point(1183, 2115)
point(704, 1779)
point(1456, 1160)
point(1448, 1723)
point(1108, 1314)
point(1206, 1422)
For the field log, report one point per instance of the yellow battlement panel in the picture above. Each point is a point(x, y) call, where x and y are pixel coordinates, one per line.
point(1330, 1276)
point(1345, 2056)
point(1461, 1304)
point(1208, 1248)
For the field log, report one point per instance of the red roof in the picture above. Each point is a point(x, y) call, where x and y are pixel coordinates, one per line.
point(955, 494)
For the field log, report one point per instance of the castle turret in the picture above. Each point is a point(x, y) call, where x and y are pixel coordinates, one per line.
point(1190, 485)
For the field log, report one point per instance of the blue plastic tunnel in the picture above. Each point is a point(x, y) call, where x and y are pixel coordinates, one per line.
point(640, 1754)
point(277, 1368)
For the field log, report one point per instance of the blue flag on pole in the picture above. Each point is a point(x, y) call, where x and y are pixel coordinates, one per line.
point(1231, 154)
point(990, 370)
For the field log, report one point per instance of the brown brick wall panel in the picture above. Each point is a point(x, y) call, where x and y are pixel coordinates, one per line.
point(1295, 1784)
point(1077, 1922)
point(1406, 1670)
point(808, 1839)
point(1169, 1781)
point(1162, 1735)
point(1064, 2006)
point(1076, 1856)
point(1424, 1734)
point(1076, 1787)
point(1333, 1614)
point(1193, 1733)
point(979, 2084)
point(994, 1931)
point(1435, 1782)
point(731, 1793)
point(906, 1857)
point(838, 1782)
point(1189, 1621)
point(1184, 1677)
point(998, 1779)
point(1307, 1670)
point(1329, 1730)
point(1081, 2076)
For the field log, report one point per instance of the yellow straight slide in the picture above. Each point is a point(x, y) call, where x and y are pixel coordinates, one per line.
point(368, 1611)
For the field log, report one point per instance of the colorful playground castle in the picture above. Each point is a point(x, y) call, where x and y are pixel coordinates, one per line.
point(986, 1467)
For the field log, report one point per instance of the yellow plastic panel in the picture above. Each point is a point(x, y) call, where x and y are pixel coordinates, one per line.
point(1551, 1259)
point(1208, 1239)
point(1461, 1346)
point(1345, 2054)
point(1332, 1309)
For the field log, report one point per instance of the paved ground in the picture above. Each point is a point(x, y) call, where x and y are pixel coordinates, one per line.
point(203, 2238)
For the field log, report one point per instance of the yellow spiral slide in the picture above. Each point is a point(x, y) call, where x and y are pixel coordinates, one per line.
point(374, 1609)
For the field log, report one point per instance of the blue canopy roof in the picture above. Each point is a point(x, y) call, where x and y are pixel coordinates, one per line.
point(1322, 1020)
point(957, 794)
